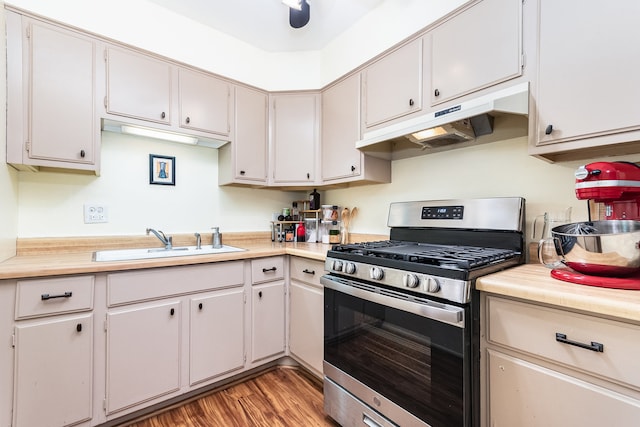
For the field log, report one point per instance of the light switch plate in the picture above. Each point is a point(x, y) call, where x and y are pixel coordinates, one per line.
point(94, 213)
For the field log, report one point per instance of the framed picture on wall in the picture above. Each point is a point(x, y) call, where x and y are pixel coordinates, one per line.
point(162, 170)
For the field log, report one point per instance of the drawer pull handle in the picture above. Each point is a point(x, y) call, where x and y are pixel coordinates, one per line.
point(265, 270)
point(45, 297)
point(312, 272)
point(594, 346)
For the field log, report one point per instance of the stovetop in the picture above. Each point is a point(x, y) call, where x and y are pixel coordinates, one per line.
point(445, 256)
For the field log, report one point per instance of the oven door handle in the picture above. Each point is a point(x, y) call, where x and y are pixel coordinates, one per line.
point(430, 309)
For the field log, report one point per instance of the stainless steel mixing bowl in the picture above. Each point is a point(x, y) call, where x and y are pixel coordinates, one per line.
point(599, 248)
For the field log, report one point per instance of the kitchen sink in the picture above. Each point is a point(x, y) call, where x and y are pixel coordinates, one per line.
point(147, 253)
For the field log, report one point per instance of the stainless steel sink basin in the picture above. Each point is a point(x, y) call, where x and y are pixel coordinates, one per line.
point(147, 253)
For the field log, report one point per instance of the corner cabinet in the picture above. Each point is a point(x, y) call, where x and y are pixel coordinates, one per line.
point(295, 139)
point(392, 87)
point(244, 161)
point(341, 160)
point(546, 366)
point(51, 97)
point(479, 47)
point(586, 96)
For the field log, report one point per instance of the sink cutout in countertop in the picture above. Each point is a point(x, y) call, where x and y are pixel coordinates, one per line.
point(149, 253)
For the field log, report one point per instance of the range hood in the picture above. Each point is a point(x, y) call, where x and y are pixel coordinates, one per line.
point(453, 126)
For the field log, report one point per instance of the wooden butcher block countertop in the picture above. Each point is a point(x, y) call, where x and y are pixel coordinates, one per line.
point(532, 282)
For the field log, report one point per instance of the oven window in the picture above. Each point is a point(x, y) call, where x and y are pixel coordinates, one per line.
point(415, 362)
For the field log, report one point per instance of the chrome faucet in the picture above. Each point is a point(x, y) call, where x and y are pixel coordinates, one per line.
point(166, 241)
point(198, 240)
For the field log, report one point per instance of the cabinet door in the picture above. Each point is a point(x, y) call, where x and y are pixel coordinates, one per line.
point(205, 103)
point(143, 354)
point(53, 371)
point(591, 88)
point(341, 130)
point(61, 76)
point(295, 136)
point(267, 320)
point(138, 86)
point(216, 344)
point(527, 395)
point(306, 324)
point(250, 142)
point(479, 47)
point(392, 86)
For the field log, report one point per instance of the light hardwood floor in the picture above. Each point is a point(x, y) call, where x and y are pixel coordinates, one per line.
point(282, 397)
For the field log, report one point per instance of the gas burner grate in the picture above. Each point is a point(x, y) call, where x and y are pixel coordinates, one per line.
point(446, 256)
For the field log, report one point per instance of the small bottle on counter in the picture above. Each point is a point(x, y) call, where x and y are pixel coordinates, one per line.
point(314, 200)
point(295, 213)
point(300, 232)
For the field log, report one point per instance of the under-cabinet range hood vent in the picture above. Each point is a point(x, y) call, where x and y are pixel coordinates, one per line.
point(458, 125)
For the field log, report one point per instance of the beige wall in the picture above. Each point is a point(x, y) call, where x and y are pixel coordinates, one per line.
point(51, 204)
point(8, 176)
point(499, 169)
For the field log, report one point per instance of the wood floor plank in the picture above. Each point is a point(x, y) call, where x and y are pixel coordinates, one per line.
point(282, 397)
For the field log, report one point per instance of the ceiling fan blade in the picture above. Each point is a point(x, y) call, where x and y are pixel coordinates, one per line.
point(300, 18)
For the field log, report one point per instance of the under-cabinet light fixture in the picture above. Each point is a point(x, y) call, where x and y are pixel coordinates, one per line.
point(293, 4)
point(152, 133)
point(429, 133)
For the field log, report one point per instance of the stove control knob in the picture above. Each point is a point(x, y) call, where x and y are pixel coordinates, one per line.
point(336, 266)
point(411, 280)
point(376, 273)
point(431, 284)
point(349, 268)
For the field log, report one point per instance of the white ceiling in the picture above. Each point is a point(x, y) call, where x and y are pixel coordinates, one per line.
point(265, 23)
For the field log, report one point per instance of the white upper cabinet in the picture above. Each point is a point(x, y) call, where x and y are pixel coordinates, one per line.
point(295, 137)
point(392, 86)
point(51, 97)
point(587, 88)
point(341, 160)
point(479, 47)
point(138, 86)
point(205, 102)
point(244, 161)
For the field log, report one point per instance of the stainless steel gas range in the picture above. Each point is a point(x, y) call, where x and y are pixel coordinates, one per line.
point(401, 325)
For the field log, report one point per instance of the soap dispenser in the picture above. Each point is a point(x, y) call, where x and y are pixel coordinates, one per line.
point(216, 238)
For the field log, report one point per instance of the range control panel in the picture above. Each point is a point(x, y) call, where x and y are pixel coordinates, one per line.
point(442, 212)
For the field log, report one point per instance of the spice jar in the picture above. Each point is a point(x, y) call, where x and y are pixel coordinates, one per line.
point(334, 232)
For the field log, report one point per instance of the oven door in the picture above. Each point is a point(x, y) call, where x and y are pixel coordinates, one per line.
point(406, 357)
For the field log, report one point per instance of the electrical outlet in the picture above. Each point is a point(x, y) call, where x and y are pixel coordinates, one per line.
point(95, 214)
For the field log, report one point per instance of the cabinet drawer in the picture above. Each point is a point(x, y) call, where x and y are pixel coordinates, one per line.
point(131, 286)
point(42, 297)
point(267, 269)
point(306, 270)
point(533, 329)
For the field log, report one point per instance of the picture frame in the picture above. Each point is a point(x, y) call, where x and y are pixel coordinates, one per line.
point(162, 170)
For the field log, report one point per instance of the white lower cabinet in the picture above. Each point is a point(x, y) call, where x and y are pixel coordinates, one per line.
point(267, 320)
point(546, 366)
point(268, 331)
point(53, 371)
point(525, 394)
point(143, 353)
point(216, 340)
point(306, 339)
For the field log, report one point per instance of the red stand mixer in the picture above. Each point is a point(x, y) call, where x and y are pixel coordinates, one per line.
point(613, 189)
